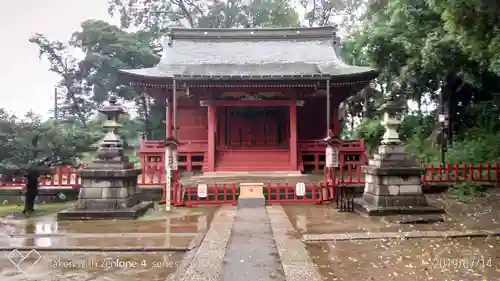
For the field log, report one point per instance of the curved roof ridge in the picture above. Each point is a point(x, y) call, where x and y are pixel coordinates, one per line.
point(324, 32)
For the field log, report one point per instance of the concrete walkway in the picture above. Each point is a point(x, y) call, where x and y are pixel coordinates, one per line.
point(294, 257)
point(249, 244)
point(206, 264)
point(251, 253)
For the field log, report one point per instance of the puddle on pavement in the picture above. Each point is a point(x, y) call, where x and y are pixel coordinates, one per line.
point(177, 229)
point(74, 266)
point(166, 241)
point(186, 220)
point(326, 219)
point(408, 260)
point(483, 213)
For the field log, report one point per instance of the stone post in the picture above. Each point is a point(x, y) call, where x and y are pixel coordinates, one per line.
point(109, 184)
point(331, 162)
point(392, 178)
point(171, 164)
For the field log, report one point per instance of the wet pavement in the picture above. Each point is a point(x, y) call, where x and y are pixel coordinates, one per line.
point(74, 266)
point(454, 259)
point(251, 253)
point(259, 244)
point(179, 228)
point(482, 213)
point(206, 263)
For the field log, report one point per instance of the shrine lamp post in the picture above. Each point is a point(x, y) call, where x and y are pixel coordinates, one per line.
point(443, 124)
point(332, 156)
point(171, 164)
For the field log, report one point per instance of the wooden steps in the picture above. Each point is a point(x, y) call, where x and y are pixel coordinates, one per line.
point(253, 160)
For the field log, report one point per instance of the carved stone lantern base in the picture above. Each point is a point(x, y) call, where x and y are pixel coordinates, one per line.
point(108, 191)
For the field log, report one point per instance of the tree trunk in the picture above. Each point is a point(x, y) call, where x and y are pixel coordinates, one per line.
point(31, 192)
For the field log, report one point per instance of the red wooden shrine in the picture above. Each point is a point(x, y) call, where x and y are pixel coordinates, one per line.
point(251, 99)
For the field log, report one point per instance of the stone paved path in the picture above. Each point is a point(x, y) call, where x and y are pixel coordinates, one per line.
point(207, 262)
point(251, 253)
point(249, 244)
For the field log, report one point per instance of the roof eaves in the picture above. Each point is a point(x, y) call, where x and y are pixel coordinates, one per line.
point(151, 72)
point(252, 77)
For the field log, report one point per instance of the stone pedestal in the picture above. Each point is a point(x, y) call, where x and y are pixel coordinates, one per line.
point(251, 195)
point(393, 185)
point(107, 192)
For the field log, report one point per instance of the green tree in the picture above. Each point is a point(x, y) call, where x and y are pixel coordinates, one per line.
point(76, 91)
point(153, 15)
point(30, 147)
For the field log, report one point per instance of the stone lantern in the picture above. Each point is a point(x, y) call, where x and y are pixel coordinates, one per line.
point(392, 118)
point(393, 184)
point(108, 184)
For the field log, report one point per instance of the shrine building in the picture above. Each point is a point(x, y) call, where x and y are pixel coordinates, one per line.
point(251, 99)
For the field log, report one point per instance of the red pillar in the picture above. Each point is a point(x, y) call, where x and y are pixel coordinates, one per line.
point(293, 136)
point(211, 138)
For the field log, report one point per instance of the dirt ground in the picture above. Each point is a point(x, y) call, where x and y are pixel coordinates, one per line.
point(453, 259)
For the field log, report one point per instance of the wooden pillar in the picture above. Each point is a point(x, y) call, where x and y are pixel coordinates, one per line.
point(328, 109)
point(168, 117)
point(174, 109)
point(211, 137)
point(336, 121)
point(293, 136)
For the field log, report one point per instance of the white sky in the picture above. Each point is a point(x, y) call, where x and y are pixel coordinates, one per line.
point(25, 82)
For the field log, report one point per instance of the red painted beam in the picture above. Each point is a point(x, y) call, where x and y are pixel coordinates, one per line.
point(252, 103)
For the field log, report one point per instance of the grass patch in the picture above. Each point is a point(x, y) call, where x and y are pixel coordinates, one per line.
point(466, 191)
point(40, 209)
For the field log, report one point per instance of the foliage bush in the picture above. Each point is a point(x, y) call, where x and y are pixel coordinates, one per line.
point(371, 130)
point(477, 145)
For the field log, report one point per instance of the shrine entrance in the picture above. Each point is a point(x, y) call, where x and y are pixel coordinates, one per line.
point(254, 127)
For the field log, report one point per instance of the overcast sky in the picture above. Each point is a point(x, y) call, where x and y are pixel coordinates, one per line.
point(25, 80)
point(26, 84)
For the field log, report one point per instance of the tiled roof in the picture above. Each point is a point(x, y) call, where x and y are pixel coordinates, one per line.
point(251, 54)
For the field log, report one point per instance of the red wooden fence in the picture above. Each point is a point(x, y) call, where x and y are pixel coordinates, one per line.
point(450, 173)
point(352, 174)
point(314, 192)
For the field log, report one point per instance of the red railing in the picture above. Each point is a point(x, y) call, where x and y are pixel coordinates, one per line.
point(154, 174)
point(312, 153)
point(450, 173)
point(216, 194)
point(61, 177)
point(283, 194)
point(228, 194)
